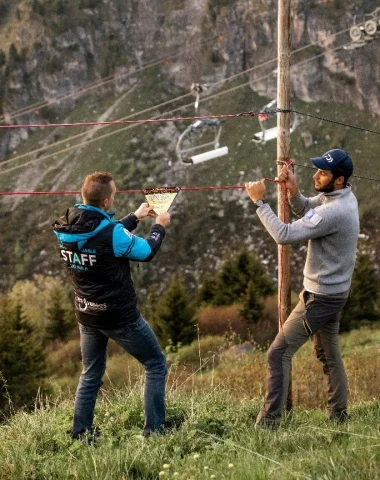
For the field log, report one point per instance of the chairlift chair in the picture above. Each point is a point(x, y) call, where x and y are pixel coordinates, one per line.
point(190, 140)
point(271, 133)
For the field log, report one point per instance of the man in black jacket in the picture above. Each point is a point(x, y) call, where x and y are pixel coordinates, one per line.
point(96, 251)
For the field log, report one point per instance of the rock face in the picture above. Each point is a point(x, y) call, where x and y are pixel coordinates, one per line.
point(55, 53)
point(53, 49)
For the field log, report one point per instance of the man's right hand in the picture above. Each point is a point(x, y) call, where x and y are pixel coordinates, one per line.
point(163, 219)
point(286, 175)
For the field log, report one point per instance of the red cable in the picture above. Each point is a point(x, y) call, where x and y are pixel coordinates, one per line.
point(123, 122)
point(75, 192)
point(222, 187)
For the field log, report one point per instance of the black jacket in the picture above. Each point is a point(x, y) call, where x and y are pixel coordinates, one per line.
point(96, 251)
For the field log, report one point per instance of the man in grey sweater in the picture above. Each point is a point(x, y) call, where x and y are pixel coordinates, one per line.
point(330, 223)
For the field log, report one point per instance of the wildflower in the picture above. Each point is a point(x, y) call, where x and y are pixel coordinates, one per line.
point(161, 474)
point(205, 468)
point(165, 466)
point(230, 465)
point(196, 456)
point(175, 474)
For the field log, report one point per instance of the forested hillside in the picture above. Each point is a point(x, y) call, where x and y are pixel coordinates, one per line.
point(103, 60)
point(210, 292)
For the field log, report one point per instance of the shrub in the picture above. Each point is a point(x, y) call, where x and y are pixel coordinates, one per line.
point(64, 358)
point(221, 320)
point(200, 352)
point(228, 321)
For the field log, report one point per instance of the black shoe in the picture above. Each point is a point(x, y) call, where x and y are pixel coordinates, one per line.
point(339, 417)
point(85, 436)
point(267, 421)
point(147, 432)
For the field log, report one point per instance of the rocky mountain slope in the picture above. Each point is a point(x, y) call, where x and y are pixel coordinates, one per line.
point(99, 60)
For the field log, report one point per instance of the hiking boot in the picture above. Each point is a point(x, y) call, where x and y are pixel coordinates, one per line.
point(85, 436)
point(267, 421)
point(339, 417)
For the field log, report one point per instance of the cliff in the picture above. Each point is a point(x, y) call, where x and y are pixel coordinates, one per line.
point(85, 60)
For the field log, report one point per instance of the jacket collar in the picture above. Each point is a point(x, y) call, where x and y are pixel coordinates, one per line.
point(95, 209)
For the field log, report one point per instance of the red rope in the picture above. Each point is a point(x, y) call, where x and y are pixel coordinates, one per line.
point(222, 187)
point(76, 192)
point(142, 190)
point(124, 122)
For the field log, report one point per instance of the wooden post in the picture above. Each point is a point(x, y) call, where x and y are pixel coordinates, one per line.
point(283, 155)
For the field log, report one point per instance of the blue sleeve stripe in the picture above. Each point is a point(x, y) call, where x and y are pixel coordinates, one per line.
point(125, 244)
point(128, 251)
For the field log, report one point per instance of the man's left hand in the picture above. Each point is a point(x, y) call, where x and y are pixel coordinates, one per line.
point(145, 210)
point(256, 190)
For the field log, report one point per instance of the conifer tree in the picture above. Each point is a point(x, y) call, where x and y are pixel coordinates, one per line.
point(363, 301)
point(176, 314)
point(150, 311)
point(252, 308)
point(60, 319)
point(22, 360)
point(231, 282)
point(208, 289)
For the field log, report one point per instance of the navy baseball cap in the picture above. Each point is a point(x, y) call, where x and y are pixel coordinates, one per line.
point(336, 160)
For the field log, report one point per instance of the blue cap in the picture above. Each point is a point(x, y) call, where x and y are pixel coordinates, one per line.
point(336, 160)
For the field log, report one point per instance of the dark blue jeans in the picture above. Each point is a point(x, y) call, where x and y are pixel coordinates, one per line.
point(137, 339)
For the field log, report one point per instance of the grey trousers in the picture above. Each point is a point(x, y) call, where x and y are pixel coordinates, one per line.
point(315, 316)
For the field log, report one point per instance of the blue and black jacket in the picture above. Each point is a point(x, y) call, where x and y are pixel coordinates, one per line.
point(96, 251)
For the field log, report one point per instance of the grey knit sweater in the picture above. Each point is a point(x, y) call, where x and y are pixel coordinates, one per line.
point(330, 222)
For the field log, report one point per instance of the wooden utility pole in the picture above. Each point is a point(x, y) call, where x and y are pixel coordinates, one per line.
point(283, 155)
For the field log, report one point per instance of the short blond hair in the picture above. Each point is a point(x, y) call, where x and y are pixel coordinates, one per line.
point(96, 187)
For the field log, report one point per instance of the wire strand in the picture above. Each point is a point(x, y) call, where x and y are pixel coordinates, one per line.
point(101, 82)
point(223, 92)
point(124, 122)
point(356, 127)
point(142, 190)
point(187, 95)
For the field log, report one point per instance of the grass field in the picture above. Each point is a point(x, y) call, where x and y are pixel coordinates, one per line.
point(214, 410)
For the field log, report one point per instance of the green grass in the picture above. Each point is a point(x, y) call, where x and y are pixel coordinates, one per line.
point(140, 160)
point(216, 437)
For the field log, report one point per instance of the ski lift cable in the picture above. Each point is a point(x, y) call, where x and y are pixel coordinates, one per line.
point(44, 148)
point(125, 121)
point(138, 121)
point(336, 122)
point(101, 82)
point(361, 177)
point(73, 147)
point(70, 148)
point(115, 132)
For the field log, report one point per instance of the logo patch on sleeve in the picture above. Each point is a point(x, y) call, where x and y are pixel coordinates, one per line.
point(313, 216)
